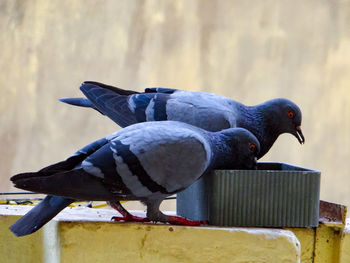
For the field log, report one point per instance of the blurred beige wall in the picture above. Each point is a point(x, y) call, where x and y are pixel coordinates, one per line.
point(250, 51)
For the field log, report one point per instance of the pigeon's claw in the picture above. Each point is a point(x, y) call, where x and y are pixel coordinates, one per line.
point(126, 216)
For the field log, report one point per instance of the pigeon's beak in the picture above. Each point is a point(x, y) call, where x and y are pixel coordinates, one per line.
point(299, 135)
point(255, 165)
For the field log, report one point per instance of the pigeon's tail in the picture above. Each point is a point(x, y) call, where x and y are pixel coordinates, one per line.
point(40, 215)
point(114, 89)
point(111, 101)
point(81, 102)
point(75, 184)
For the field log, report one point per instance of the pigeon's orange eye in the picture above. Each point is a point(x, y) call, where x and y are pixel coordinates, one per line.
point(252, 147)
point(290, 114)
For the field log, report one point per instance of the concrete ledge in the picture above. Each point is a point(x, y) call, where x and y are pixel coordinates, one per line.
point(96, 240)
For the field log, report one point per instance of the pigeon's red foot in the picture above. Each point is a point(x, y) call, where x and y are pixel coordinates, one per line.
point(178, 220)
point(130, 218)
point(126, 216)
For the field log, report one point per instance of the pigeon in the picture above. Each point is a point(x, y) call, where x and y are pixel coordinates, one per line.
point(146, 161)
point(205, 110)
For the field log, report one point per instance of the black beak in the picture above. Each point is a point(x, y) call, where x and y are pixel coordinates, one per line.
point(299, 135)
point(255, 164)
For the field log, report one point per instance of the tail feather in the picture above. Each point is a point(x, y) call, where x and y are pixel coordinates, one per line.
point(40, 215)
point(81, 102)
point(111, 101)
point(65, 165)
point(22, 176)
point(59, 167)
point(75, 184)
point(119, 91)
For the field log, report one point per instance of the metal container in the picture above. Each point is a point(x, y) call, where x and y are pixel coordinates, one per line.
point(275, 195)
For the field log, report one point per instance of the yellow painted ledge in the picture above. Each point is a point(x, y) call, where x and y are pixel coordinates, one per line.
point(306, 237)
point(345, 244)
point(163, 243)
point(62, 241)
point(21, 250)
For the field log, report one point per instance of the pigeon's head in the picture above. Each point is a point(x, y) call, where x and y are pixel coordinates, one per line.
point(288, 117)
point(243, 150)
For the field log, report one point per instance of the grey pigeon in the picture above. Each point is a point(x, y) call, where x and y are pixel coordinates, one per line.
point(205, 110)
point(146, 161)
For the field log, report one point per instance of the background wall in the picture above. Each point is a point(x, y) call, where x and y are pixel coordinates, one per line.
point(250, 51)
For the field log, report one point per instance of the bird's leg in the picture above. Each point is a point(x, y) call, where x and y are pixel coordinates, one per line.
point(154, 214)
point(126, 216)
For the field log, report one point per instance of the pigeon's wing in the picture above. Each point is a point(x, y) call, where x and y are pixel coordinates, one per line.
point(204, 116)
point(151, 158)
point(161, 158)
point(204, 110)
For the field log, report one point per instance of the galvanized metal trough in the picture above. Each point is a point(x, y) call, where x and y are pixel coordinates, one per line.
point(274, 195)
